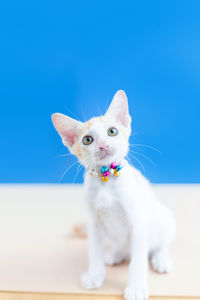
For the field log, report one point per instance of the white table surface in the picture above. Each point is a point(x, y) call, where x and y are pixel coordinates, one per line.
point(38, 254)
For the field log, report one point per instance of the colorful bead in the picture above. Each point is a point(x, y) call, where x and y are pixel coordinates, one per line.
point(104, 169)
point(106, 174)
point(119, 167)
point(117, 173)
point(113, 165)
point(111, 171)
point(104, 178)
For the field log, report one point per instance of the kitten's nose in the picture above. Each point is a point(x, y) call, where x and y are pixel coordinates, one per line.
point(103, 147)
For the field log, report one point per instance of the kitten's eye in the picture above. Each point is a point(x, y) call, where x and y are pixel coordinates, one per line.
point(112, 131)
point(87, 140)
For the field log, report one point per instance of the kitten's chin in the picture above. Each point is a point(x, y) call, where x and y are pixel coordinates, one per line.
point(108, 159)
point(105, 156)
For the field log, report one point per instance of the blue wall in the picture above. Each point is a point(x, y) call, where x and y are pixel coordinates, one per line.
point(71, 56)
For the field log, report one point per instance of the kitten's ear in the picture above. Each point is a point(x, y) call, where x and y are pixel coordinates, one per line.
point(119, 108)
point(67, 128)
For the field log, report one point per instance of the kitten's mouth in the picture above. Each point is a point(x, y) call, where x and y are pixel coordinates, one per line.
point(105, 154)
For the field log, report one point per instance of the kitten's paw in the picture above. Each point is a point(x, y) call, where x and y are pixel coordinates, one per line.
point(161, 262)
point(92, 281)
point(131, 293)
point(112, 258)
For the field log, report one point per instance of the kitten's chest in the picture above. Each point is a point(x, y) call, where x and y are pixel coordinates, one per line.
point(105, 197)
point(109, 211)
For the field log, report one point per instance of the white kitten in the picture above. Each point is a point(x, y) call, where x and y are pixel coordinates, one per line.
point(122, 210)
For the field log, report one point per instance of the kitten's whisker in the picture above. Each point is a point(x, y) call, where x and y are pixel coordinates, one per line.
point(134, 133)
point(77, 171)
point(61, 155)
point(129, 160)
point(68, 170)
point(83, 114)
point(143, 145)
point(138, 161)
point(73, 114)
point(87, 163)
point(84, 174)
point(101, 115)
point(143, 156)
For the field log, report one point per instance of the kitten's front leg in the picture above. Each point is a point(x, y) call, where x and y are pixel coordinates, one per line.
point(137, 288)
point(95, 275)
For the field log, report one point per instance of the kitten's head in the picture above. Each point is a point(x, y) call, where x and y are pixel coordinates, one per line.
point(100, 140)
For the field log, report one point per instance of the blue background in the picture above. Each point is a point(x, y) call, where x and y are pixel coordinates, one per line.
point(72, 56)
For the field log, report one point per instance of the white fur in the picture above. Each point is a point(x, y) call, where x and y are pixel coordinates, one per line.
point(123, 211)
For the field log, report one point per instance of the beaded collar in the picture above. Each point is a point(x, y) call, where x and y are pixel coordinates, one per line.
point(106, 172)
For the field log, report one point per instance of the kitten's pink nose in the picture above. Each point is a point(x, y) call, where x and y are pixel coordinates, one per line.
point(103, 147)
